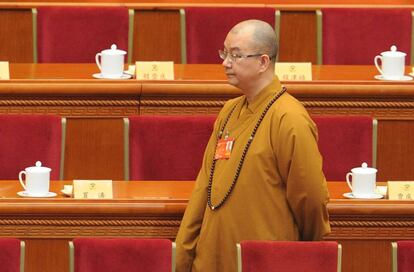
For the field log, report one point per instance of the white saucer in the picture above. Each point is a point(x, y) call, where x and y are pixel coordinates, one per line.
point(24, 194)
point(404, 78)
point(124, 76)
point(373, 196)
point(65, 193)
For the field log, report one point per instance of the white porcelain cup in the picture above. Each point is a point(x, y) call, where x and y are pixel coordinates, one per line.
point(37, 179)
point(392, 64)
point(363, 181)
point(111, 62)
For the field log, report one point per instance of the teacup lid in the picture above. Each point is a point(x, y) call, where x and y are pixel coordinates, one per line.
point(393, 52)
point(38, 168)
point(113, 51)
point(364, 169)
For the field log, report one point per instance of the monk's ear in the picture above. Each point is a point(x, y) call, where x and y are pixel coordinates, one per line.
point(265, 62)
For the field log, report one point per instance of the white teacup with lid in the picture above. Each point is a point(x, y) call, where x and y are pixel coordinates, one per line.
point(111, 62)
point(363, 181)
point(392, 64)
point(37, 180)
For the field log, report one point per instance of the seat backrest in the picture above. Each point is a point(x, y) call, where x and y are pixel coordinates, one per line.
point(166, 147)
point(204, 30)
point(12, 255)
point(403, 256)
point(25, 139)
point(121, 254)
point(356, 35)
point(345, 142)
point(292, 256)
point(76, 34)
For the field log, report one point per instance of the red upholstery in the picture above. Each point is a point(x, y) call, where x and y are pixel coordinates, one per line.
point(405, 256)
point(206, 29)
point(357, 35)
point(9, 255)
point(25, 139)
point(269, 256)
point(167, 147)
point(76, 34)
point(345, 142)
point(122, 254)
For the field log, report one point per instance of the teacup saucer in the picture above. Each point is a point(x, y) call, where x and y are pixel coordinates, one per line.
point(404, 78)
point(124, 76)
point(373, 196)
point(66, 193)
point(25, 194)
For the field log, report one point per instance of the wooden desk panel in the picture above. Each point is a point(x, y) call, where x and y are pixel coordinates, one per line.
point(95, 108)
point(365, 228)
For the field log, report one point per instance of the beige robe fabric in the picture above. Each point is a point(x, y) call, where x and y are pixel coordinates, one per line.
point(281, 193)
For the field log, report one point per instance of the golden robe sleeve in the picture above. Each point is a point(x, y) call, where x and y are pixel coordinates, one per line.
point(300, 166)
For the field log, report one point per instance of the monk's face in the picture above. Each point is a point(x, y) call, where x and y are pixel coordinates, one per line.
point(241, 65)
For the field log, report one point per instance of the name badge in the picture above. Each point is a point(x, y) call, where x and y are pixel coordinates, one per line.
point(4, 70)
point(223, 149)
point(92, 189)
point(401, 190)
point(154, 70)
point(294, 71)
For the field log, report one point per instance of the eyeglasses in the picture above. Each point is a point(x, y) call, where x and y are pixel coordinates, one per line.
point(234, 57)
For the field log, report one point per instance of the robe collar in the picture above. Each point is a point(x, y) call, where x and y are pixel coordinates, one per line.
point(263, 96)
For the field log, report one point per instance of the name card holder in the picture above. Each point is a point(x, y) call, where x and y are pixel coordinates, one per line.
point(4, 70)
point(154, 70)
point(294, 71)
point(92, 189)
point(401, 190)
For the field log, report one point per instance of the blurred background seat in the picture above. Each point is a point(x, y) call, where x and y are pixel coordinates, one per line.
point(12, 253)
point(121, 254)
point(203, 30)
point(289, 256)
point(402, 256)
point(165, 147)
point(345, 142)
point(25, 139)
point(356, 35)
point(76, 34)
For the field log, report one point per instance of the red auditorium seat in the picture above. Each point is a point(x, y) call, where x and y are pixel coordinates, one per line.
point(206, 29)
point(166, 147)
point(356, 35)
point(275, 256)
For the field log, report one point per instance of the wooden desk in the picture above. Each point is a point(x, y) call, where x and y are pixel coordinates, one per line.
point(154, 209)
point(95, 108)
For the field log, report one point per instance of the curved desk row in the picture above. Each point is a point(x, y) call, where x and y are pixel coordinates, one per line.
point(95, 108)
point(154, 209)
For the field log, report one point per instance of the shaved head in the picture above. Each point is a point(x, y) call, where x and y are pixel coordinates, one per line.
point(264, 38)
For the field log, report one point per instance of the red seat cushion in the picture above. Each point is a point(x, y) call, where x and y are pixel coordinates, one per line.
point(76, 34)
point(269, 256)
point(206, 29)
point(10, 255)
point(122, 254)
point(167, 147)
point(345, 142)
point(405, 256)
point(357, 35)
point(25, 139)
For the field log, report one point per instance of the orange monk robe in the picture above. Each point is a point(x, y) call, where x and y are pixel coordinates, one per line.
point(281, 193)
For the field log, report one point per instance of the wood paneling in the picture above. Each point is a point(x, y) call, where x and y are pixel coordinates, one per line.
point(16, 37)
point(297, 36)
point(395, 150)
point(157, 35)
point(94, 149)
point(40, 255)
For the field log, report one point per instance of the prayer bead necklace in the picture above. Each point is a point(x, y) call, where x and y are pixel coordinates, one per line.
point(243, 156)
